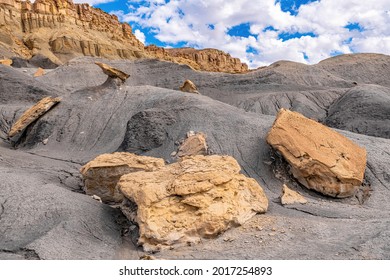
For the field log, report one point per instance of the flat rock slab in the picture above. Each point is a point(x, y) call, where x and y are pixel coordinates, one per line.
point(32, 114)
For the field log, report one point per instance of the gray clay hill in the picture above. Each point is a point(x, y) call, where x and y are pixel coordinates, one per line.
point(44, 213)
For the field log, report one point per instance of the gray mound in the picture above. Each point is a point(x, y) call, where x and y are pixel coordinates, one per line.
point(150, 120)
point(42, 61)
point(41, 220)
point(18, 62)
point(294, 86)
point(19, 88)
point(364, 109)
point(368, 68)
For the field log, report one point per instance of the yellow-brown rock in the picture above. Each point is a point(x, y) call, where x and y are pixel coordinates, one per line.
point(102, 174)
point(201, 196)
point(189, 86)
point(320, 158)
point(290, 197)
point(40, 72)
point(62, 30)
point(112, 72)
point(7, 62)
point(211, 60)
point(32, 114)
point(193, 145)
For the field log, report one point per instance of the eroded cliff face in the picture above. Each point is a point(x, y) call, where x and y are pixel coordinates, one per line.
point(207, 59)
point(62, 30)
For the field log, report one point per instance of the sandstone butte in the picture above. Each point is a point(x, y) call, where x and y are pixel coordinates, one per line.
point(62, 30)
point(32, 114)
point(200, 196)
point(102, 174)
point(320, 158)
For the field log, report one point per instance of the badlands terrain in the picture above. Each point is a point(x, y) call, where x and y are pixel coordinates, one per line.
point(48, 212)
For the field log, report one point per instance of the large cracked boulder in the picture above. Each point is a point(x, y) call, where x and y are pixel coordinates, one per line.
point(102, 174)
point(320, 158)
point(201, 196)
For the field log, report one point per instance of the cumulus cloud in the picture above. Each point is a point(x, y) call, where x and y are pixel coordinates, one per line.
point(140, 35)
point(305, 33)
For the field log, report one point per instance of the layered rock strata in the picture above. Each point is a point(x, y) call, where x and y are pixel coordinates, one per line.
point(62, 30)
point(207, 59)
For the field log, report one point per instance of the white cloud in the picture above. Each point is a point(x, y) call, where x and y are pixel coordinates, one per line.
point(176, 21)
point(140, 35)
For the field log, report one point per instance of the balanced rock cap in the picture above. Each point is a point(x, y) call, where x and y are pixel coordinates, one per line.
point(112, 72)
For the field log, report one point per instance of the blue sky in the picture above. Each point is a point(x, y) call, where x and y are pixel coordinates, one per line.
point(260, 32)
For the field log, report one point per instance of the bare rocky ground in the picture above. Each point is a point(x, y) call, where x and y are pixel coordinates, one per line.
point(44, 213)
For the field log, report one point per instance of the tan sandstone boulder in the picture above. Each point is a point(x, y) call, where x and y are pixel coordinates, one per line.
point(32, 114)
point(112, 72)
point(290, 197)
point(40, 72)
point(201, 196)
point(189, 86)
point(102, 174)
point(7, 62)
point(194, 144)
point(320, 158)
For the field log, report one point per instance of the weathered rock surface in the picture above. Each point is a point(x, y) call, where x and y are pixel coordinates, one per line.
point(291, 197)
point(32, 114)
point(189, 86)
point(102, 174)
point(193, 145)
point(320, 158)
point(112, 72)
point(197, 197)
point(363, 109)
